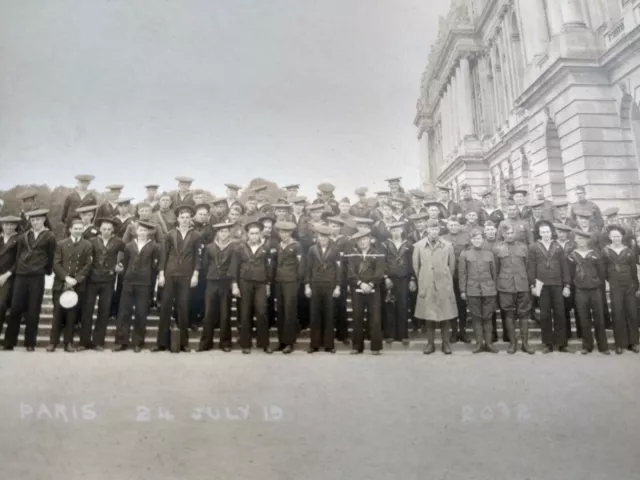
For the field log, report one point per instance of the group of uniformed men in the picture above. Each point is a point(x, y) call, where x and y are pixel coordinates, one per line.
point(406, 256)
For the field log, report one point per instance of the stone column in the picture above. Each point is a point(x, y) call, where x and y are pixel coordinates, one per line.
point(534, 25)
point(506, 73)
point(454, 108)
point(572, 14)
point(427, 162)
point(466, 98)
point(554, 16)
point(444, 119)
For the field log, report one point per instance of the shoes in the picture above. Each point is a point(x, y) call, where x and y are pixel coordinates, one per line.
point(137, 349)
point(585, 351)
point(81, 348)
point(268, 350)
point(478, 349)
point(547, 349)
point(120, 348)
point(446, 349)
point(330, 350)
point(490, 348)
point(312, 350)
point(389, 341)
point(406, 342)
point(51, 348)
point(226, 349)
point(99, 348)
point(355, 352)
point(605, 352)
point(376, 352)
point(31, 349)
point(185, 349)
point(202, 349)
point(464, 339)
point(7, 349)
point(158, 349)
point(287, 350)
point(69, 349)
point(246, 351)
point(429, 349)
point(346, 343)
point(564, 350)
point(635, 349)
point(619, 351)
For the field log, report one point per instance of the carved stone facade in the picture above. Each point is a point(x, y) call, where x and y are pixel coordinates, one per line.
point(549, 100)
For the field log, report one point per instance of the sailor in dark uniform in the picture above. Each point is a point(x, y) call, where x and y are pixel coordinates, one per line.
point(86, 215)
point(8, 256)
point(292, 191)
point(519, 197)
point(28, 199)
point(361, 207)
point(109, 208)
point(184, 195)
point(417, 202)
point(80, 197)
point(152, 196)
point(491, 212)
point(443, 193)
point(327, 199)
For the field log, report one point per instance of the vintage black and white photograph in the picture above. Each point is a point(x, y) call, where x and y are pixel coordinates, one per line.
point(337, 239)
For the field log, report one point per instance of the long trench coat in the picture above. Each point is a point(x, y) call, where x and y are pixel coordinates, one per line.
point(434, 266)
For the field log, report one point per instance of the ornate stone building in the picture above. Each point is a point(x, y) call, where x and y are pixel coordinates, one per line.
point(524, 92)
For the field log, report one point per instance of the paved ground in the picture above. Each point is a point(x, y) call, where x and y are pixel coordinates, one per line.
point(397, 416)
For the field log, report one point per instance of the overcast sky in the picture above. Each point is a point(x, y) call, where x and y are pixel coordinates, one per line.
point(137, 91)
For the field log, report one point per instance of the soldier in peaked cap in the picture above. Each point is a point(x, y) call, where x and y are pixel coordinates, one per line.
point(561, 209)
point(232, 198)
point(184, 195)
point(443, 193)
point(262, 205)
point(588, 206)
point(303, 231)
point(548, 208)
point(282, 212)
point(365, 273)
point(382, 198)
point(490, 211)
point(86, 215)
point(326, 198)
point(459, 239)
point(519, 198)
point(520, 227)
point(361, 207)
point(292, 191)
point(28, 199)
point(36, 250)
point(537, 213)
point(348, 223)
point(394, 186)
point(417, 200)
point(152, 196)
point(110, 208)
point(80, 197)
point(468, 203)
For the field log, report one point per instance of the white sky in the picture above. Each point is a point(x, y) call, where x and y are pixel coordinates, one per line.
point(138, 91)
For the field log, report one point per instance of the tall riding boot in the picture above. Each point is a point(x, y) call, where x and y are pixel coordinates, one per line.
point(511, 331)
point(430, 328)
point(488, 332)
point(446, 345)
point(477, 329)
point(524, 331)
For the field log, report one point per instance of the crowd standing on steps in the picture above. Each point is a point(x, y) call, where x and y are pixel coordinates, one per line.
point(406, 258)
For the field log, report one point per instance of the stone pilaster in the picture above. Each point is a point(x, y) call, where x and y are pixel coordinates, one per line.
point(466, 98)
point(535, 29)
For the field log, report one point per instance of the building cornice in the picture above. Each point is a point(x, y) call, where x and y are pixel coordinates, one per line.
point(549, 78)
point(461, 162)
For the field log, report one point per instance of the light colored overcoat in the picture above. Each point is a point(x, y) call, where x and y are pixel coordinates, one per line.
point(434, 265)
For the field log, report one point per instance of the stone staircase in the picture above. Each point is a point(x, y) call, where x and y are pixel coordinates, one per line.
point(418, 339)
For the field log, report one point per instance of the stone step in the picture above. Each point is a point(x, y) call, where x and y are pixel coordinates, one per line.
point(153, 320)
point(416, 345)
